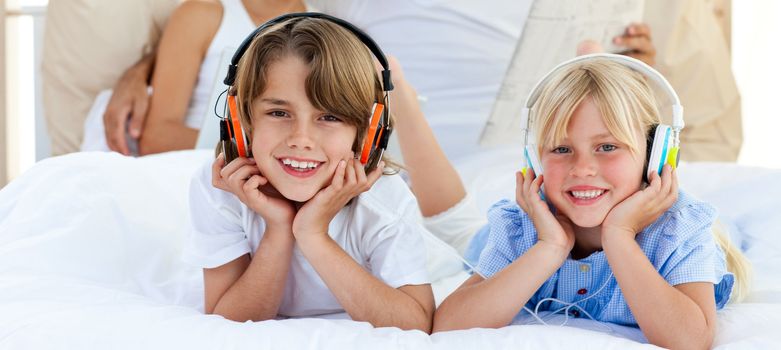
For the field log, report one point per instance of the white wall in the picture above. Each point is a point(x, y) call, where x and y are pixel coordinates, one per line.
point(24, 138)
point(756, 61)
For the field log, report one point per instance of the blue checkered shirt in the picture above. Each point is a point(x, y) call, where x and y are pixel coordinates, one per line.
point(679, 244)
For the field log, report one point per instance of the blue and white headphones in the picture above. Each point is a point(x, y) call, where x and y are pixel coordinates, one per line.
point(666, 138)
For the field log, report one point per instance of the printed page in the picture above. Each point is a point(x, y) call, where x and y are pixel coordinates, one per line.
point(551, 35)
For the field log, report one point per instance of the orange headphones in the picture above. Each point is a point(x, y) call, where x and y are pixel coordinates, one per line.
point(234, 140)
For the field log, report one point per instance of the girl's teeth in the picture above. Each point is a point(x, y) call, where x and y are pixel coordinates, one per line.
point(587, 194)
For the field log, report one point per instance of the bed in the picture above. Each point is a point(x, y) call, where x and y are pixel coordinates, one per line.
point(90, 246)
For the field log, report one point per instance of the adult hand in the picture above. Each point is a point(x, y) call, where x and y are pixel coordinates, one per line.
point(637, 43)
point(553, 229)
point(349, 181)
point(128, 105)
point(643, 207)
point(243, 178)
point(586, 47)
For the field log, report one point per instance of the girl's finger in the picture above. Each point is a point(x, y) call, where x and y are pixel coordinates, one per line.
point(528, 178)
point(518, 186)
point(666, 185)
point(534, 189)
point(673, 192)
point(654, 182)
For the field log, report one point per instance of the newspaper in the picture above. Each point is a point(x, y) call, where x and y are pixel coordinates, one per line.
point(551, 35)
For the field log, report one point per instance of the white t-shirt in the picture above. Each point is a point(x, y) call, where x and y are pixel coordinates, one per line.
point(454, 52)
point(379, 229)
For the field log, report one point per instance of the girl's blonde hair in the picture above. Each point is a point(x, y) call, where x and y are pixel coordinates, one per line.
point(342, 78)
point(628, 109)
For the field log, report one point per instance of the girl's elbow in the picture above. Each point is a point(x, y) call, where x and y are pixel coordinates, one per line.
point(424, 325)
point(693, 340)
point(442, 323)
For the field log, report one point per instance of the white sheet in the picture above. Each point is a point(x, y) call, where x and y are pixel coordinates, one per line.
point(89, 258)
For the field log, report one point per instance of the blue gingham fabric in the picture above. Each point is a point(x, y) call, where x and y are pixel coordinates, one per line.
point(679, 244)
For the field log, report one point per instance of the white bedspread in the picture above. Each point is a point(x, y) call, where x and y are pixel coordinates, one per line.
point(89, 258)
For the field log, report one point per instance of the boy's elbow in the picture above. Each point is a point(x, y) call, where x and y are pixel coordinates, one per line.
point(423, 321)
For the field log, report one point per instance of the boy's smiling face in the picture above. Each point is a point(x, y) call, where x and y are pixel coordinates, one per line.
point(296, 146)
point(590, 171)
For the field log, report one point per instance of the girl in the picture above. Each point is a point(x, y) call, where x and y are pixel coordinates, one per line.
point(299, 229)
point(645, 253)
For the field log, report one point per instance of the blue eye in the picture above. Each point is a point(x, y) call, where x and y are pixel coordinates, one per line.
point(561, 149)
point(607, 148)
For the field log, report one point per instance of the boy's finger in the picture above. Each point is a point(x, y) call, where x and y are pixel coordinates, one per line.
point(350, 176)
point(374, 176)
point(360, 173)
point(338, 180)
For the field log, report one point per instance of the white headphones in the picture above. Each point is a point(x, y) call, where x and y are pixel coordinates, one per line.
point(666, 139)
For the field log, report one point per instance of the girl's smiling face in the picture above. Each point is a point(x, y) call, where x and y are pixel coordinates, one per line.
point(590, 171)
point(296, 146)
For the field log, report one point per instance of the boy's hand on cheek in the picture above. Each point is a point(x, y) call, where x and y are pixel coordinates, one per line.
point(349, 181)
point(555, 230)
point(243, 178)
point(643, 207)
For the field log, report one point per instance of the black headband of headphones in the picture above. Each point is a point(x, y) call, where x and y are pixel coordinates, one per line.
point(387, 85)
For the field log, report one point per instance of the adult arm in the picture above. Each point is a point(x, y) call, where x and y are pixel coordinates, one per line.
point(435, 191)
point(129, 103)
point(182, 48)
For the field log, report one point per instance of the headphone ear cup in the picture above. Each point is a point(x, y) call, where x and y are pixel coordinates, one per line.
point(373, 134)
point(238, 138)
point(532, 160)
point(227, 146)
point(659, 149)
point(649, 146)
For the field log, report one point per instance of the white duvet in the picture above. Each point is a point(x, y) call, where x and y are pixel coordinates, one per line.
point(90, 244)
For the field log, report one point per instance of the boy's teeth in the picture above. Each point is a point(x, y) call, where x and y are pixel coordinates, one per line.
point(587, 194)
point(299, 165)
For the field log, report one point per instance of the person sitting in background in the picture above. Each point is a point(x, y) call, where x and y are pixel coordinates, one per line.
point(184, 65)
point(462, 49)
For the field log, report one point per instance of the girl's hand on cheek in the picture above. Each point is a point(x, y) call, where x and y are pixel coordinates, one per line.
point(349, 181)
point(243, 178)
point(643, 207)
point(556, 230)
